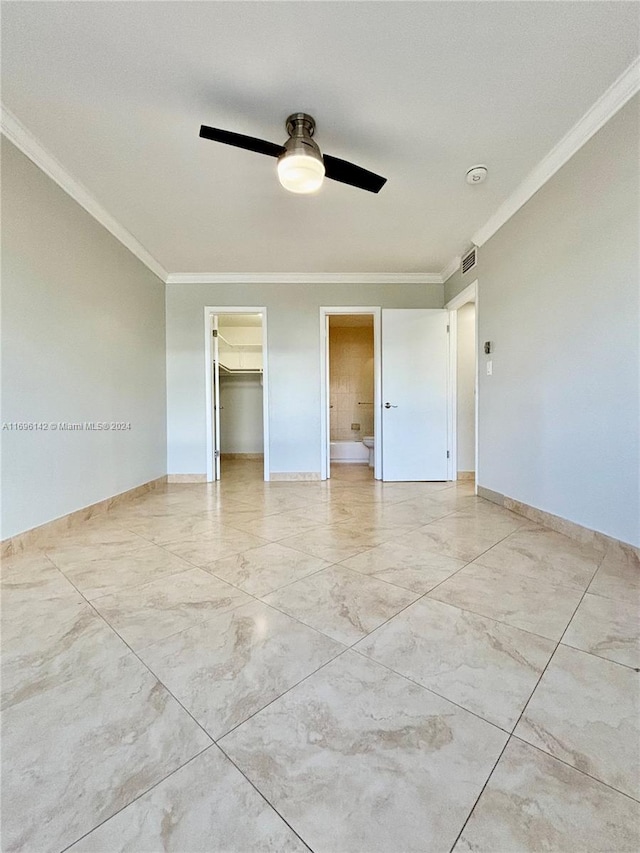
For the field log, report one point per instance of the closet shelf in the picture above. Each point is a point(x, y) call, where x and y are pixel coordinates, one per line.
point(238, 358)
point(234, 371)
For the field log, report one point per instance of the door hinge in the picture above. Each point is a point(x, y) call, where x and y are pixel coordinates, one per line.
point(447, 329)
point(448, 455)
point(215, 333)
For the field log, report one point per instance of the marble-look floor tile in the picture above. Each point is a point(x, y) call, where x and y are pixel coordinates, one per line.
point(368, 762)
point(357, 758)
point(607, 628)
point(183, 500)
point(355, 495)
point(343, 604)
point(395, 492)
point(376, 529)
point(169, 507)
point(534, 802)
point(204, 806)
point(331, 543)
point(61, 643)
point(148, 613)
point(110, 575)
point(163, 529)
point(205, 548)
point(74, 755)
point(226, 669)
point(79, 547)
point(328, 512)
point(230, 513)
point(618, 576)
point(480, 509)
point(411, 513)
point(461, 538)
point(281, 501)
point(37, 587)
point(27, 566)
point(486, 667)
point(277, 526)
point(542, 608)
point(452, 500)
point(586, 711)
point(262, 570)
point(495, 521)
point(398, 564)
point(544, 555)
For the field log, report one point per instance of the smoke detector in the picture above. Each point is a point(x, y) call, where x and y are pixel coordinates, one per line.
point(477, 174)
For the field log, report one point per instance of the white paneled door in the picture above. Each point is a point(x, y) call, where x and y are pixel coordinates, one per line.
point(414, 394)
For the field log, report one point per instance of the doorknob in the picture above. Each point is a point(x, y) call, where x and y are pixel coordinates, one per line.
point(389, 406)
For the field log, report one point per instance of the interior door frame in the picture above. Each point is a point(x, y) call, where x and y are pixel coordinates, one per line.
point(469, 294)
point(214, 361)
point(208, 337)
point(325, 418)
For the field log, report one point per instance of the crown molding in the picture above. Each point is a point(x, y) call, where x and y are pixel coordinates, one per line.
point(451, 267)
point(305, 278)
point(615, 97)
point(23, 139)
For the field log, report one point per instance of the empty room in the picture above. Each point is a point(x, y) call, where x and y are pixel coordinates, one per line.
point(320, 506)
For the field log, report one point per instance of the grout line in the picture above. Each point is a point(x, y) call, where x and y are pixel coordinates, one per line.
point(570, 620)
point(512, 735)
point(471, 811)
point(575, 769)
point(155, 785)
point(268, 802)
point(284, 692)
point(424, 687)
point(351, 647)
point(133, 652)
point(600, 657)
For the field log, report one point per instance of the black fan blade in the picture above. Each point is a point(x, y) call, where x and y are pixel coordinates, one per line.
point(260, 146)
point(349, 173)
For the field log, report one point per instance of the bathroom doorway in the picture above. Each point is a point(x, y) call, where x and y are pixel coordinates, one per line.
point(351, 391)
point(237, 387)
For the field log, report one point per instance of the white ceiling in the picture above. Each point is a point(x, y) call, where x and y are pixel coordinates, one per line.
point(416, 91)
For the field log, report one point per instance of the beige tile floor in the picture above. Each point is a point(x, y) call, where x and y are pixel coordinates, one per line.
point(341, 667)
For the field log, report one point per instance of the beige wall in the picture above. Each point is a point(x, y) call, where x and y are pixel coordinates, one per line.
point(558, 297)
point(83, 340)
point(241, 414)
point(294, 354)
point(465, 386)
point(351, 381)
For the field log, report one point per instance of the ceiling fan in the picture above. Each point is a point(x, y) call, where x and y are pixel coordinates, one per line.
point(301, 166)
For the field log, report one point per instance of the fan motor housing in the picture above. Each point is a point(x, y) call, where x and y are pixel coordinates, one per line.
point(301, 128)
point(299, 124)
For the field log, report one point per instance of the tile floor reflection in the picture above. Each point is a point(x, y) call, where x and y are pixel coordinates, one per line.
point(343, 667)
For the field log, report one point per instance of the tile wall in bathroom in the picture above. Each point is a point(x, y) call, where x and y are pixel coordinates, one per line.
point(351, 381)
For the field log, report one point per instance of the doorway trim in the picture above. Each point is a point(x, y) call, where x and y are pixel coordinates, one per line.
point(227, 309)
point(325, 420)
point(469, 294)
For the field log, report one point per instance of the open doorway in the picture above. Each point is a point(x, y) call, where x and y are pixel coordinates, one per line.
point(351, 392)
point(237, 407)
point(463, 322)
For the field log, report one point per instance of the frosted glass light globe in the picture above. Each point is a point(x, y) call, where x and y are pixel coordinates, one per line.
point(300, 173)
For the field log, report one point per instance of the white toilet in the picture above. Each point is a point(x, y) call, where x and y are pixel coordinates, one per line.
point(368, 441)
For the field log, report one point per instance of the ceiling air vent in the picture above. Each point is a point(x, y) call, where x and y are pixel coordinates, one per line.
point(469, 261)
